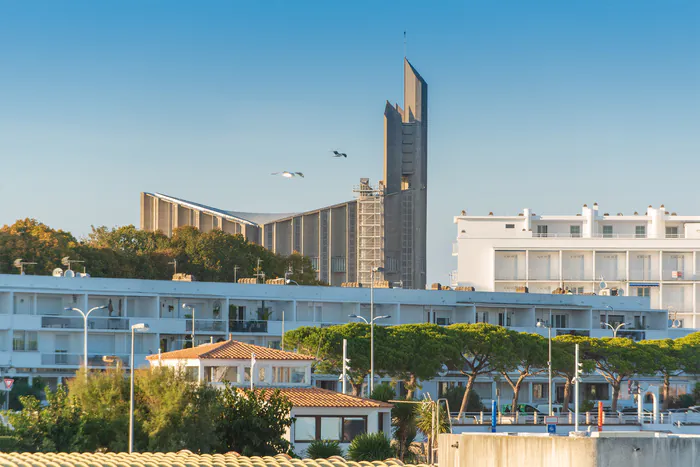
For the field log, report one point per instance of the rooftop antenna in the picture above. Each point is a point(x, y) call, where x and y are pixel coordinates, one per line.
point(20, 265)
point(404, 43)
point(66, 261)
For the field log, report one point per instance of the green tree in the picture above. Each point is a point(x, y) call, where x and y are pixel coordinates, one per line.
point(327, 345)
point(253, 423)
point(664, 357)
point(54, 428)
point(415, 352)
point(425, 420)
point(34, 242)
point(616, 360)
point(480, 346)
point(563, 362)
point(403, 421)
point(22, 388)
point(455, 394)
point(524, 355)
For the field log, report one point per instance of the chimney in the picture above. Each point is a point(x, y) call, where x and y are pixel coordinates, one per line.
point(230, 336)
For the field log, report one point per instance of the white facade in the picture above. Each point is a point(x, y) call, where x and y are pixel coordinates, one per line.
point(39, 338)
point(652, 254)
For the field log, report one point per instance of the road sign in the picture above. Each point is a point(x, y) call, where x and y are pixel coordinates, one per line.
point(8, 383)
point(552, 429)
point(551, 420)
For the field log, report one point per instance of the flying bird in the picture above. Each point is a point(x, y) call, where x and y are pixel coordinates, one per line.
point(287, 174)
point(339, 154)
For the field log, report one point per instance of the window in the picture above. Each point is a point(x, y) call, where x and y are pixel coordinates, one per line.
point(353, 426)
point(24, 341)
point(482, 317)
point(607, 231)
point(540, 391)
point(219, 374)
point(295, 375)
point(191, 373)
point(576, 290)
point(510, 226)
point(671, 232)
point(331, 428)
point(274, 344)
point(640, 231)
point(575, 230)
point(541, 230)
point(405, 184)
point(640, 322)
point(560, 321)
point(596, 391)
point(643, 291)
point(305, 429)
point(504, 319)
point(261, 374)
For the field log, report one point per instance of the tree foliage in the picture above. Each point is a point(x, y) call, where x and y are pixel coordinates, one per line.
point(92, 414)
point(563, 362)
point(127, 252)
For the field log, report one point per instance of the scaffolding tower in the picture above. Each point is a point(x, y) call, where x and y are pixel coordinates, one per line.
point(370, 231)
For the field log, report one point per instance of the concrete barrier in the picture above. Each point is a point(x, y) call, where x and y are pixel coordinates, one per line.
point(599, 450)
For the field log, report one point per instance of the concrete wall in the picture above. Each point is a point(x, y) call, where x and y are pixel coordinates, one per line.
point(612, 449)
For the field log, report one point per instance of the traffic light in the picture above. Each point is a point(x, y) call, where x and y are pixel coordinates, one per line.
point(578, 368)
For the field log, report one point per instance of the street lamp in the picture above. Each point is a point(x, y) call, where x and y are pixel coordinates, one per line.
point(192, 310)
point(141, 327)
point(614, 328)
point(541, 324)
point(371, 326)
point(85, 327)
point(291, 281)
point(365, 319)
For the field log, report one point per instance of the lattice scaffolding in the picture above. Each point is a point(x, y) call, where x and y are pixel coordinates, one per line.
point(370, 231)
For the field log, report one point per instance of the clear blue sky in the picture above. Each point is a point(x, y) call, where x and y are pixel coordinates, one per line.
point(541, 104)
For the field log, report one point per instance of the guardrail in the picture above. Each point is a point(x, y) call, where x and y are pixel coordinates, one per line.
point(74, 359)
point(247, 326)
point(585, 418)
point(206, 325)
point(97, 323)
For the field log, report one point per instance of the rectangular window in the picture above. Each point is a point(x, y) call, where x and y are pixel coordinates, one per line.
point(353, 426)
point(331, 428)
point(607, 231)
point(671, 232)
point(261, 374)
point(304, 429)
point(541, 230)
point(643, 291)
point(560, 321)
point(24, 341)
point(640, 231)
point(510, 226)
point(575, 230)
point(219, 374)
point(596, 391)
point(539, 391)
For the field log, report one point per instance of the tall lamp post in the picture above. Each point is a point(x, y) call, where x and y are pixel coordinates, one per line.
point(371, 325)
point(192, 310)
point(141, 327)
point(85, 329)
point(371, 345)
point(540, 324)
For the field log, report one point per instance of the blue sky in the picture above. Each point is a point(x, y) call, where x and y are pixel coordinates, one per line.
point(541, 104)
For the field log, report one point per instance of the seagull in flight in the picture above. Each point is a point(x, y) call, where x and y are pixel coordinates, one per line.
point(339, 154)
point(286, 174)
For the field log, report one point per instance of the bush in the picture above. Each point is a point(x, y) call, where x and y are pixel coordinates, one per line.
point(370, 447)
point(384, 392)
point(323, 449)
point(681, 402)
point(586, 406)
point(8, 444)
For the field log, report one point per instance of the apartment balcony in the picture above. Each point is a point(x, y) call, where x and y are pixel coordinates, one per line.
point(100, 324)
point(678, 275)
point(205, 325)
point(256, 326)
point(94, 360)
point(510, 276)
point(605, 236)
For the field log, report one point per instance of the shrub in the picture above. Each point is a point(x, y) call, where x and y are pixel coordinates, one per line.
point(384, 392)
point(681, 402)
point(455, 394)
point(370, 447)
point(586, 406)
point(323, 449)
point(8, 444)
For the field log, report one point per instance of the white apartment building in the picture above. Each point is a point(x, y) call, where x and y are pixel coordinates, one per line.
point(652, 254)
point(38, 337)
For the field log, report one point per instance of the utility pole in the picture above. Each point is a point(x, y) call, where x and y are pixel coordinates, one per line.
point(259, 272)
point(346, 362)
point(235, 273)
point(578, 370)
point(174, 263)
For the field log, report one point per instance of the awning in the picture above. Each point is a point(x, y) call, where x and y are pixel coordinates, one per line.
point(642, 284)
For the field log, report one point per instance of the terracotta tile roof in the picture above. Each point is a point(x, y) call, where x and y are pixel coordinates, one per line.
point(231, 350)
point(317, 397)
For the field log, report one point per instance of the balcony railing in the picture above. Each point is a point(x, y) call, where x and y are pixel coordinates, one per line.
point(62, 322)
point(211, 325)
point(601, 235)
point(74, 359)
point(247, 326)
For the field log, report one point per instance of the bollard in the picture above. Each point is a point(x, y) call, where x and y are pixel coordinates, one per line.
point(534, 418)
point(588, 418)
point(493, 417)
point(601, 416)
point(481, 418)
point(570, 419)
